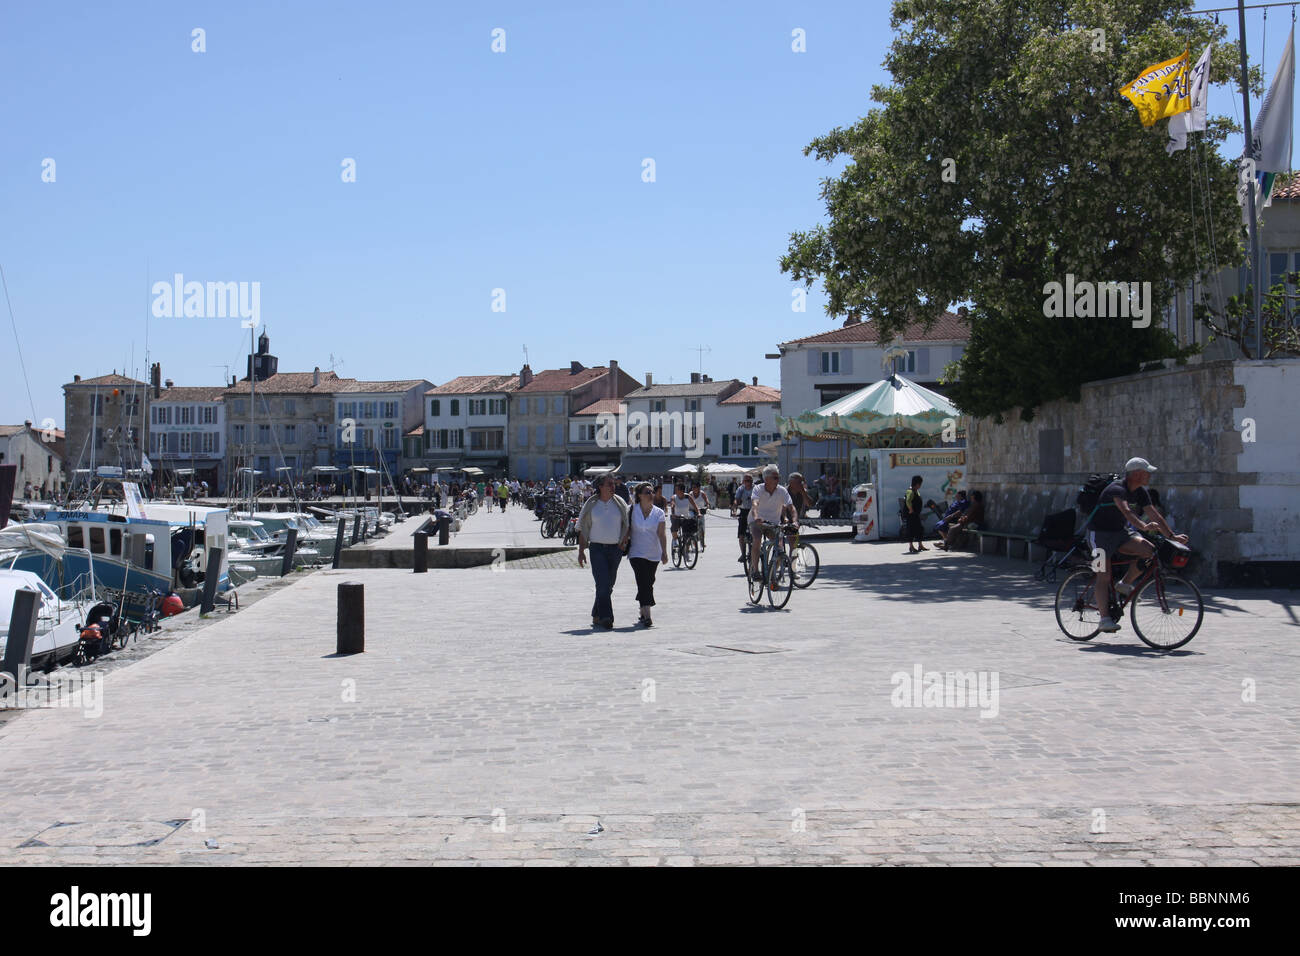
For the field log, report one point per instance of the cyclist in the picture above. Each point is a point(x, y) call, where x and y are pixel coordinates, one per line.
point(701, 508)
point(1114, 526)
point(770, 505)
point(683, 507)
point(740, 508)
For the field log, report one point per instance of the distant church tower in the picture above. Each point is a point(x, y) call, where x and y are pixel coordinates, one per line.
point(263, 362)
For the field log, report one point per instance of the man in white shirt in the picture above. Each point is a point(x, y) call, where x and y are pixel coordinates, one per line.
point(769, 506)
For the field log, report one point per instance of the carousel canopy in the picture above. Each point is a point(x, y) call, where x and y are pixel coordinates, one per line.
point(889, 406)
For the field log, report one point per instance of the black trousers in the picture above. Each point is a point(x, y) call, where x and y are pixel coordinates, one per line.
point(644, 569)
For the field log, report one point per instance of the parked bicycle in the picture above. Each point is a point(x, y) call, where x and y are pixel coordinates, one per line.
point(1166, 609)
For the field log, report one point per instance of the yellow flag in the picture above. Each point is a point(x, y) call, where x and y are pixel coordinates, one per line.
point(1163, 90)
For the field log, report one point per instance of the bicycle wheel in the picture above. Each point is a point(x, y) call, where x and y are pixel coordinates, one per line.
point(1076, 606)
point(1167, 612)
point(755, 584)
point(780, 580)
point(690, 552)
point(806, 564)
point(677, 553)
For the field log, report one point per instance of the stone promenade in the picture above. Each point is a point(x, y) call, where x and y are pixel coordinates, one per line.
point(487, 723)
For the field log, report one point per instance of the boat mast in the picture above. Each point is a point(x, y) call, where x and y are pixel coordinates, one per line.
point(252, 412)
point(1247, 156)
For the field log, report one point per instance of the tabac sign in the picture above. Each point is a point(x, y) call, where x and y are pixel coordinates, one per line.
point(942, 457)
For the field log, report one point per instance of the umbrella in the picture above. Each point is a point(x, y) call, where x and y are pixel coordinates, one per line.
point(684, 470)
point(889, 406)
point(718, 468)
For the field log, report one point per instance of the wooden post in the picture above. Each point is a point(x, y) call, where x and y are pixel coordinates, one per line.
point(421, 552)
point(351, 637)
point(338, 543)
point(290, 546)
point(22, 633)
point(356, 527)
point(209, 599)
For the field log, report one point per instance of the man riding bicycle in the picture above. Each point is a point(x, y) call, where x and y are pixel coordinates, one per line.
point(1114, 527)
point(683, 507)
point(770, 506)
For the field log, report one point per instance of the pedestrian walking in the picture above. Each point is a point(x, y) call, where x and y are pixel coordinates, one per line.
point(647, 547)
point(603, 526)
point(915, 529)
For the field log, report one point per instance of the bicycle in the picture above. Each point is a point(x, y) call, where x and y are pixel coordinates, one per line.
point(776, 575)
point(804, 560)
point(1166, 610)
point(686, 544)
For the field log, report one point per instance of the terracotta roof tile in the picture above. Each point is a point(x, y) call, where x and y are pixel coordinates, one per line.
point(8, 431)
point(113, 379)
point(1287, 187)
point(288, 382)
point(562, 379)
point(471, 384)
point(190, 393)
point(605, 405)
point(678, 389)
point(352, 385)
point(754, 395)
point(947, 328)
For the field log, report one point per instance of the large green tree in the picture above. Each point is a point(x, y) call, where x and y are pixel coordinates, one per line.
point(1001, 159)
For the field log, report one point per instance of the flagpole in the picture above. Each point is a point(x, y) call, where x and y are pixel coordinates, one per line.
point(1250, 191)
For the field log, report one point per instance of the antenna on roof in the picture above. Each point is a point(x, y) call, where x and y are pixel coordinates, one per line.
point(702, 349)
point(335, 363)
point(525, 354)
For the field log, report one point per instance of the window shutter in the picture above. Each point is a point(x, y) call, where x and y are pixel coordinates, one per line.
point(558, 435)
point(725, 443)
point(846, 362)
point(814, 362)
point(922, 361)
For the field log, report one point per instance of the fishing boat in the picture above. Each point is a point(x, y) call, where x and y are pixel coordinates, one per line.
point(58, 622)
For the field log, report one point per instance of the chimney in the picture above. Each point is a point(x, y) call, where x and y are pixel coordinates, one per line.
point(233, 381)
point(525, 375)
point(755, 379)
point(76, 378)
point(963, 312)
point(155, 376)
point(854, 318)
point(695, 378)
point(575, 368)
point(28, 424)
point(612, 378)
point(649, 380)
point(169, 383)
point(315, 376)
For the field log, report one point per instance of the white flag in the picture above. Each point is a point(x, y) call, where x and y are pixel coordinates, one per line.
point(1194, 119)
point(1271, 142)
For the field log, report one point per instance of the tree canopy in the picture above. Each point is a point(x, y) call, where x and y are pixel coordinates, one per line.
point(1003, 158)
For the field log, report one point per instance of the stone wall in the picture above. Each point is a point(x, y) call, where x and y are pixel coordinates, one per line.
point(1242, 520)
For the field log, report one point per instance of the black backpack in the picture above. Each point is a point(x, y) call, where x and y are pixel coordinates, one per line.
point(1091, 491)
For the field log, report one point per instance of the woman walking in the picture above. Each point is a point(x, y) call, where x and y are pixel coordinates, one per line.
point(603, 524)
point(647, 543)
point(915, 529)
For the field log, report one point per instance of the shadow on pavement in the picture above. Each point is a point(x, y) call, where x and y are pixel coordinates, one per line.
point(940, 577)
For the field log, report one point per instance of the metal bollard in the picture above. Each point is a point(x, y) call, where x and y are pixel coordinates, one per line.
point(421, 552)
point(22, 632)
point(356, 527)
point(290, 546)
point(338, 543)
point(352, 619)
point(209, 600)
point(444, 530)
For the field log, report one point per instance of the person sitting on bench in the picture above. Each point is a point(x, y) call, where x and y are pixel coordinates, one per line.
point(951, 517)
point(970, 519)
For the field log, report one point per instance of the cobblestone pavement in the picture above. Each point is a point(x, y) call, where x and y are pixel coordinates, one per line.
point(488, 723)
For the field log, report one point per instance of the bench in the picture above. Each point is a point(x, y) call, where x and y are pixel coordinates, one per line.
point(998, 537)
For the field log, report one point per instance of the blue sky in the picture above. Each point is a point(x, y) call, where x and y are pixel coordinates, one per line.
point(475, 171)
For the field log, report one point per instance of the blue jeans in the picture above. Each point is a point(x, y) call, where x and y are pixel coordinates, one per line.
point(605, 559)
